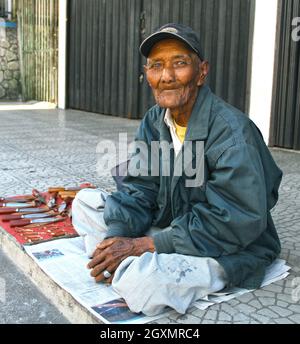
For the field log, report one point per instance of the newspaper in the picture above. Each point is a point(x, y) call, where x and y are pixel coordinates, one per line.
point(275, 272)
point(65, 262)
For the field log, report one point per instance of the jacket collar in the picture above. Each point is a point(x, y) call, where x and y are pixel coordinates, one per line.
point(199, 120)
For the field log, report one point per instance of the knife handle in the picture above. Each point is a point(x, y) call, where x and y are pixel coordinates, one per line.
point(22, 199)
point(7, 218)
point(8, 210)
point(66, 194)
point(56, 189)
point(20, 223)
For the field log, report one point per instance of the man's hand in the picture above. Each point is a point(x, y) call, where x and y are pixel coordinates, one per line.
point(111, 252)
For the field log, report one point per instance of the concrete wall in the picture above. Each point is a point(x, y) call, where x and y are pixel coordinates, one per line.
point(263, 57)
point(10, 86)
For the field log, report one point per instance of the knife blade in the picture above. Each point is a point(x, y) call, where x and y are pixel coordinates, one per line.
point(23, 210)
point(52, 201)
point(17, 205)
point(28, 216)
point(25, 222)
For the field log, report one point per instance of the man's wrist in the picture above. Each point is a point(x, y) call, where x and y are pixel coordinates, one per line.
point(145, 244)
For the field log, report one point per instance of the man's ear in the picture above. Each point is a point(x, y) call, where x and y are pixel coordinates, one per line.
point(146, 74)
point(203, 71)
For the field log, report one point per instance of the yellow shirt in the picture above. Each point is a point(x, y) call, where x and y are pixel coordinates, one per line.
point(180, 131)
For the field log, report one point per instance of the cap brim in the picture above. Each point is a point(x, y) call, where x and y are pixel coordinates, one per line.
point(149, 42)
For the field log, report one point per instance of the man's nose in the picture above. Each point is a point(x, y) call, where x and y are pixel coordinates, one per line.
point(168, 75)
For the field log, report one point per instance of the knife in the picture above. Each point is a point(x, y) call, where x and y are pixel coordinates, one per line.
point(23, 210)
point(17, 205)
point(25, 222)
point(62, 189)
point(6, 218)
point(22, 199)
point(39, 198)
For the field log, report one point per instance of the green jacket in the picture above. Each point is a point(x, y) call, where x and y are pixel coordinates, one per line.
point(228, 217)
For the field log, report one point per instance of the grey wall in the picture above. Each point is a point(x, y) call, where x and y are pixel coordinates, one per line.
point(106, 70)
point(285, 123)
point(10, 87)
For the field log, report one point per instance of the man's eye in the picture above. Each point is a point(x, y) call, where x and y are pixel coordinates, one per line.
point(156, 65)
point(180, 63)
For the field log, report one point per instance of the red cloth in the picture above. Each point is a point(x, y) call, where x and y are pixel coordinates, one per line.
point(42, 230)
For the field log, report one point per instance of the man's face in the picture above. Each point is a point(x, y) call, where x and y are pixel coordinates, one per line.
point(174, 73)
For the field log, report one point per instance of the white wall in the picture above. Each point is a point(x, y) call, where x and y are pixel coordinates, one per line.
point(263, 64)
point(9, 8)
point(62, 54)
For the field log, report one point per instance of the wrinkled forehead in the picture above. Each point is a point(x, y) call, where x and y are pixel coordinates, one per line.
point(170, 47)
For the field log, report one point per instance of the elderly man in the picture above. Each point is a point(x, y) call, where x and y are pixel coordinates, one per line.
point(210, 236)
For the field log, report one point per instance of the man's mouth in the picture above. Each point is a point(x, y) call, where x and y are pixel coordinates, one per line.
point(169, 89)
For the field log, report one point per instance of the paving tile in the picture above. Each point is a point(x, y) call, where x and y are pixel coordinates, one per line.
point(295, 318)
point(261, 318)
point(207, 322)
point(267, 301)
point(211, 315)
point(273, 288)
point(255, 304)
point(295, 308)
point(286, 298)
point(165, 320)
point(241, 318)
point(268, 313)
point(246, 309)
point(283, 321)
point(229, 309)
point(224, 317)
point(187, 319)
point(284, 312)
point(246, 297)
point(263, 293)
point(282, 304)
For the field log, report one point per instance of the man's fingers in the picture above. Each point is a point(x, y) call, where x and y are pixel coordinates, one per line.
point(99, 268)
point(106, 243)
point(109, 280)
point(96, 261)
point(111, 269)
point(105, 280)
point(96, 253)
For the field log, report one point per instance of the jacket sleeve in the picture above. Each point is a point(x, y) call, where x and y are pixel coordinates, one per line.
point(233, 215)
point(129, 212)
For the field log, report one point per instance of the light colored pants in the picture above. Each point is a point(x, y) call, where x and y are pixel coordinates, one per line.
point(151, 282)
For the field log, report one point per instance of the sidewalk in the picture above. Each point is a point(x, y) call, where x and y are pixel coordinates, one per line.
point(42, 148)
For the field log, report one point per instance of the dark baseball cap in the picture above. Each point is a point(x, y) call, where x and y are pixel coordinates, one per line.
point(172, 30)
